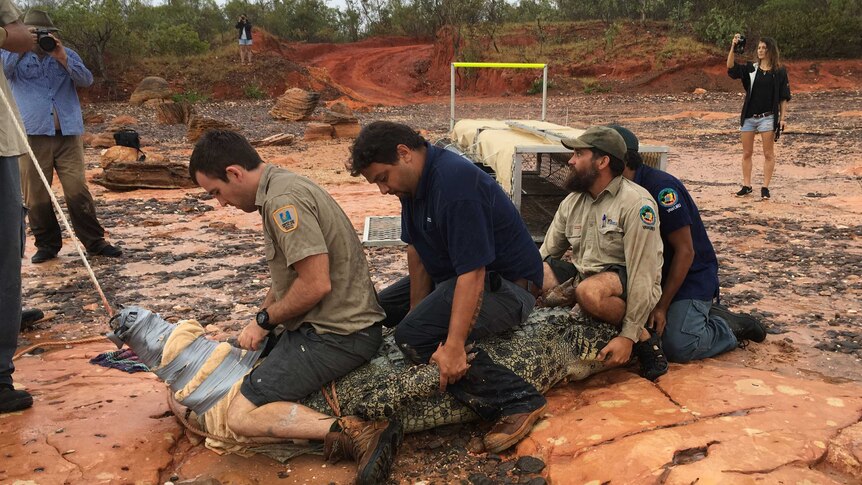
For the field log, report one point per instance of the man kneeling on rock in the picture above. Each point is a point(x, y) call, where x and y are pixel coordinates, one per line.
point(691, 326)
point(611, 226)
point(474, 271)
point(321, 294)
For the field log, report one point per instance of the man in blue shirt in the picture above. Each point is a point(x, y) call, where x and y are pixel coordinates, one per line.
point(691, 326)
point(43, 83)
point(474, 271)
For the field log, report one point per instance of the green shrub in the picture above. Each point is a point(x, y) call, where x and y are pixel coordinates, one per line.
point(594, 86)
point(536, 86)
point(190, 96)
point(719, 24)
point(254, 91)
point(804, 28)
point(179, 40)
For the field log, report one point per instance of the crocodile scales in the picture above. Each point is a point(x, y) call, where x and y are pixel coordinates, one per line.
point(553, 345)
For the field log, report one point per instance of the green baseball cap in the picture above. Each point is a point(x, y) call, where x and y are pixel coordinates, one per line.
point(601, 137)
point(629, 137)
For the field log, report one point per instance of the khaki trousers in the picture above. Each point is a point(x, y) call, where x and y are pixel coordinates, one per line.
point(65, 154)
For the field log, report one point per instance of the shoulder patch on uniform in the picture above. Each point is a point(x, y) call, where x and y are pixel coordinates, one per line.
point(647, 216)
point(668, 197)
point(286, 218)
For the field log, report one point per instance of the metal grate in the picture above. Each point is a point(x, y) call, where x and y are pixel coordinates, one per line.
point(555, 166)
point(653, 159)
point(382, 231)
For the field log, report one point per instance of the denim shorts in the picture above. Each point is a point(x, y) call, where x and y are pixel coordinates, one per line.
point(759, 125)
point(245, 42)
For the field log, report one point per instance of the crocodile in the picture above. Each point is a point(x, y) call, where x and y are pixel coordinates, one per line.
point(552, 346)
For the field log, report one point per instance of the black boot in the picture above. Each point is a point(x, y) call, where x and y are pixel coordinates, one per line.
point(12, 399)
point(651, 357)
point(744, 326)
point(29, 316)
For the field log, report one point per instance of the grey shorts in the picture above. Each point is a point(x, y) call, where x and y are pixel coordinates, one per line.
point(564, 270)
point(302, 361)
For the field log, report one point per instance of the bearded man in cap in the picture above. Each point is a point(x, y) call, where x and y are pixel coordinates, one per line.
point(43, 83)
point(611, 225)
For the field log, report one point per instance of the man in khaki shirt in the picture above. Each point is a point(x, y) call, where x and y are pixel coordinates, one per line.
point(14, 37)
point(321, 294)
point(611, 225)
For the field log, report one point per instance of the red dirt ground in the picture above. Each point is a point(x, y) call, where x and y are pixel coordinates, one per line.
point(397, 71)
point(117, 429)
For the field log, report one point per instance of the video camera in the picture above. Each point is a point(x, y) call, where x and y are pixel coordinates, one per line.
point(44, 39)
point(739, 48)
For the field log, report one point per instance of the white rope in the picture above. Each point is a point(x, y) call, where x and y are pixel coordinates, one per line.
point(57, 204)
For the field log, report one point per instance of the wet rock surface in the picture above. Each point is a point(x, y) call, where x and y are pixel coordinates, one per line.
point(794, 261)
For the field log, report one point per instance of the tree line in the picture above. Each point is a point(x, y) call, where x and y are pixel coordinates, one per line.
point(111, 32)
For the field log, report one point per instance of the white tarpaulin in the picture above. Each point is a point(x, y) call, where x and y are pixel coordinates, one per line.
point(493, 142)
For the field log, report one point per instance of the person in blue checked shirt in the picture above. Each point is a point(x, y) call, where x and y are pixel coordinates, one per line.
point(691, 325)
point(44, 83)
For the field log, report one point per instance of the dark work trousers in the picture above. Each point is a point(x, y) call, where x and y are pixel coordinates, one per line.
point(66, 155)
point(11, 249)
point(489, 389)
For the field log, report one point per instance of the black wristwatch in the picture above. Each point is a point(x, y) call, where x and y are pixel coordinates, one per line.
point(262, 319)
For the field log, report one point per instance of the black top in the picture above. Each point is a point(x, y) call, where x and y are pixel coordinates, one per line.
point(244, 25)
point(460, 220)
point(761, 93)
point(780, 87)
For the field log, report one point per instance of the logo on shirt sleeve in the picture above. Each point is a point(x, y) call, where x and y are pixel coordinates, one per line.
point(647, 217)
point(286, 218)
point(667, 197)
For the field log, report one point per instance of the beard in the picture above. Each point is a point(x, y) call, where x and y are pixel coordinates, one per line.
point(581, 182)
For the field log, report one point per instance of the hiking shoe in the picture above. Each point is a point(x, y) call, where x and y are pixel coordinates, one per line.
point(107, 250)
point(371, 444)
point(651, 356)
point(511, 429)
point(29, 316)
point(744, 326)
point(745, 190)
point(764, 193)
point(12, 399)
point(43, 255)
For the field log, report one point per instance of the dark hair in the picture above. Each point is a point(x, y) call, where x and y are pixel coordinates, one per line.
point(218, 149)
point(633, 159)
point(377, 143)
point(772, 49)
point(616, 164)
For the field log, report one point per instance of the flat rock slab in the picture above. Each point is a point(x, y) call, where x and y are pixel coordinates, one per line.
point(700, 423)
point(89, 424)
point(704, 422)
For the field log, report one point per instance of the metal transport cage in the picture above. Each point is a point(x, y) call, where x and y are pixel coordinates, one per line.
point(527, 160)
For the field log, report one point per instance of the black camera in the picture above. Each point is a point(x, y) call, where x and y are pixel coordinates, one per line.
point(739, 48)
point(45, 41)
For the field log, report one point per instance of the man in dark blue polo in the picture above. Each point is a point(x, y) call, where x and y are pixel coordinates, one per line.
point(691, 326)
point(474, 271)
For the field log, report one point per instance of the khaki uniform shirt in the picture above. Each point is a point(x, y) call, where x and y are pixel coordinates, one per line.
point(12, 143)
point(619, 227)
point(300, 220)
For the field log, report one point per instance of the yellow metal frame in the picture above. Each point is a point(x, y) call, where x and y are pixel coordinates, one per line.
point(496, 65)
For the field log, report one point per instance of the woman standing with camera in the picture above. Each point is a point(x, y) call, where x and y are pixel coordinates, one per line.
point(767, 92)
point(244, 27)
